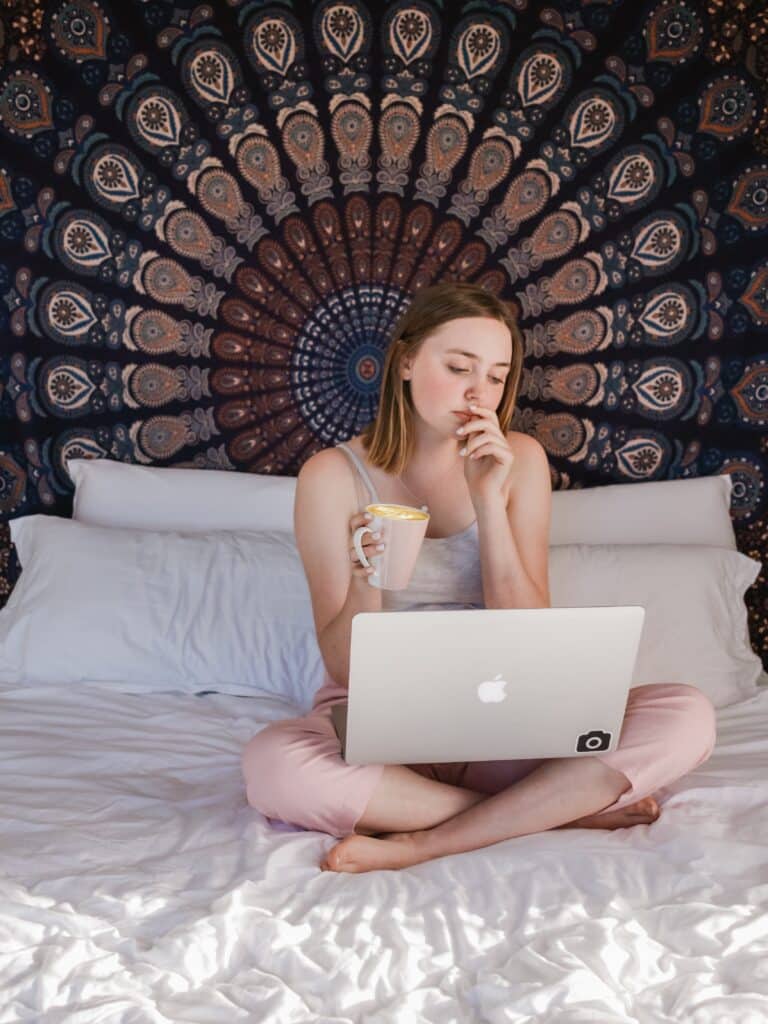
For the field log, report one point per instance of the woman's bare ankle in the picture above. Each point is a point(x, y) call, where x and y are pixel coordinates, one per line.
point(474, 798)
point(406, 801)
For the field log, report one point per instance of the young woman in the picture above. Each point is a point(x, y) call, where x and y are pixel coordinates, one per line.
point(441, 437)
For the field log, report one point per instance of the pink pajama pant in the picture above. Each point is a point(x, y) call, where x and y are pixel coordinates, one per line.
point(294, 771)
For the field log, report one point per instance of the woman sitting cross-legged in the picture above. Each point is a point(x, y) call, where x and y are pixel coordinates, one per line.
point(440, 438)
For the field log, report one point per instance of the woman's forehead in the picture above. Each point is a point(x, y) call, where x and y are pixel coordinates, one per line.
point(483, 336)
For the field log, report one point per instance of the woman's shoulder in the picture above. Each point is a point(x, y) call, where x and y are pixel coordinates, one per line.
point(332, 467)
point(327, 461)
point(328, 476)
point(531, 460)
point(525, 444)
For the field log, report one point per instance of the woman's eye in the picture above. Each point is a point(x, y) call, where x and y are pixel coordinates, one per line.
point(458, 369)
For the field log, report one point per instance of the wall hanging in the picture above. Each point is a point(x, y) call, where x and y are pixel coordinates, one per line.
point(212, 214)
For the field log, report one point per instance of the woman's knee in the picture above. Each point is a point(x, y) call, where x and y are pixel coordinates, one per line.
point(293, 772)
point(266, 768)
point(698, 721)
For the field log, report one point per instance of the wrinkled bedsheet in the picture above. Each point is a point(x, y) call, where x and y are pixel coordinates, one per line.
point(137, 885)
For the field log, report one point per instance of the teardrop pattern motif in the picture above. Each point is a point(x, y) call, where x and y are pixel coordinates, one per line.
point(211, 217)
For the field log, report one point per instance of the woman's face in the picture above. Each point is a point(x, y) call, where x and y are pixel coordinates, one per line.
point(465, 360)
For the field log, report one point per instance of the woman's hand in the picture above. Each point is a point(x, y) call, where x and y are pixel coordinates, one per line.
point(489, 458)
point(372, 545)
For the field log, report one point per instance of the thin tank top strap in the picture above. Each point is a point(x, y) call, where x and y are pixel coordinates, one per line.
point(362, 471)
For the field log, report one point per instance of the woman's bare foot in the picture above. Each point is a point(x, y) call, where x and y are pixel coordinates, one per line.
point(388, 851)
point(643, 812)
point(394, 850)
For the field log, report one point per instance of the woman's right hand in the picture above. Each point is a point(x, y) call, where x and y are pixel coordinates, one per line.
point(370, 545)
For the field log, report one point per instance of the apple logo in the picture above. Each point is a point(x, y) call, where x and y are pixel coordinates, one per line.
point(492, 690)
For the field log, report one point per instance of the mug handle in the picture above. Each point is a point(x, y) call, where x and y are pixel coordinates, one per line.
point(357, 540)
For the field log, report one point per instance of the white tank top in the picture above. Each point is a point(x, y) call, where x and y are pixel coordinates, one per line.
point(447, 572)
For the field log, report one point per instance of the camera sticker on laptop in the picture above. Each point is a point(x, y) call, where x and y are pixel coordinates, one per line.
point(592, 742)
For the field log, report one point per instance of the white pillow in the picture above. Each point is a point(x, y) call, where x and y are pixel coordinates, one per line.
point(110, 493)
point(696, 628)
point(691, 511)
point(146, 612)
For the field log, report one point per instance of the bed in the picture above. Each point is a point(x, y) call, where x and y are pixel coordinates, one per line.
point(138, 886)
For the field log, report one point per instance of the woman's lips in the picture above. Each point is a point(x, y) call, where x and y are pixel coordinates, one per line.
point(463, 416)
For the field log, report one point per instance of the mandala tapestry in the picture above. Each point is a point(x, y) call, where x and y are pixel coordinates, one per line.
point(212, 214)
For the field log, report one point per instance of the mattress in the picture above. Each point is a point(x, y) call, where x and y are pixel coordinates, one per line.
point(137, 885)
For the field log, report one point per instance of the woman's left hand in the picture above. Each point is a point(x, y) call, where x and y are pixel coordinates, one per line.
point(489, 458)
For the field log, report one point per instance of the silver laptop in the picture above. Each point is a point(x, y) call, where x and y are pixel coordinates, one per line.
point(487, 684)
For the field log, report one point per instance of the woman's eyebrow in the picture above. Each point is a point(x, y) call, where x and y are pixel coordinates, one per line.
point(471, 355)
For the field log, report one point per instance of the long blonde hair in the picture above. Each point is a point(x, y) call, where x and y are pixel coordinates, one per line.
point(389, 438)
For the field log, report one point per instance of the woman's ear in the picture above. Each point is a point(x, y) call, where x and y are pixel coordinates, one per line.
point(404, 367)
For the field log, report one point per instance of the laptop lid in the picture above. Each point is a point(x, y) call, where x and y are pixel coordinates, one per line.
point(488, 684)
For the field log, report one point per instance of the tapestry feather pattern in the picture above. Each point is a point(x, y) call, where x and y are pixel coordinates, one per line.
point(211, 215)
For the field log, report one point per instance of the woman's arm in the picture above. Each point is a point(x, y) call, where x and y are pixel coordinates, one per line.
point(514, 537)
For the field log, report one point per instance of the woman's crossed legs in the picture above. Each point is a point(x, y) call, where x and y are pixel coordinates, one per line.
point(668, 730)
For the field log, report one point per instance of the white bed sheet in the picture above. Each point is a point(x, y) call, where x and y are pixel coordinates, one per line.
point(136, 885)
